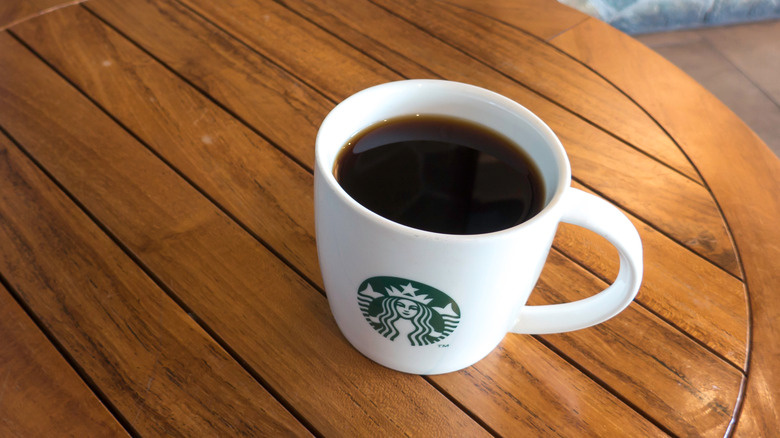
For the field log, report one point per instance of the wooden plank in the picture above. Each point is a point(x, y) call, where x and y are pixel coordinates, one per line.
point(667, 384)
point(695, 295)
point(16, 11)
point(238, 168)
point(742, 173)
point(527, 14)
point(161, 371)
point(656, 368)
point(40, 394)
point(677, 205)
point(278, 324)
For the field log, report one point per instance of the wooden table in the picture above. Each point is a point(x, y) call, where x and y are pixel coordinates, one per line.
point(158, 270)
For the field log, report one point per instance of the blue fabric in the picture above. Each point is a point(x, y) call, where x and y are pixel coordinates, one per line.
point(644, 16)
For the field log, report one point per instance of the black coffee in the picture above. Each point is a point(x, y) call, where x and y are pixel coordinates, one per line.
point(440, 174)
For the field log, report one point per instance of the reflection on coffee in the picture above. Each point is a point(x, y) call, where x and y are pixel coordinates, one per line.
point(440, 174)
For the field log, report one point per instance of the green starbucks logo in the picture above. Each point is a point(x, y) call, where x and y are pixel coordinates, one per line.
point(403, 309)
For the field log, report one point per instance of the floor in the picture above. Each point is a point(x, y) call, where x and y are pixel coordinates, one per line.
point(739, 64)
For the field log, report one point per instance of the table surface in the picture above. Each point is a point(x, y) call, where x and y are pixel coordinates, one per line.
point(158, 268)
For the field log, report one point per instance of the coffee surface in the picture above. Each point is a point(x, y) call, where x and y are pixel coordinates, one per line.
point(440, 174)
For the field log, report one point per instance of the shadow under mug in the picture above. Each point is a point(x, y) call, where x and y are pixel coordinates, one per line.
point(430, 303)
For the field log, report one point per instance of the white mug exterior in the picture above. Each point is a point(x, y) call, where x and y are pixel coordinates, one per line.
point(488, 276)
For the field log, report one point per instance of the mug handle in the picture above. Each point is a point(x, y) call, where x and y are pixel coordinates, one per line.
point(595, 214)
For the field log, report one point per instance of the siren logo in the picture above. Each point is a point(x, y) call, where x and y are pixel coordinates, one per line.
point(407, 310)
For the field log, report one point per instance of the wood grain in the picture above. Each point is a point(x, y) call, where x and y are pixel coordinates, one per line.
point(527, 14)
point(278, 324)
point(239, 169)
point(16, 11)
point(156, 366)
point(297, 46)
point(286, 111)
point(741, 171)
point(40, 394)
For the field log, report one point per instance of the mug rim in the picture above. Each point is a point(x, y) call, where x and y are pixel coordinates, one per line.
point(552, 141)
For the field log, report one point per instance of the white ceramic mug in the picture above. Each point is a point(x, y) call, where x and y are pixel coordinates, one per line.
point(429, 303)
